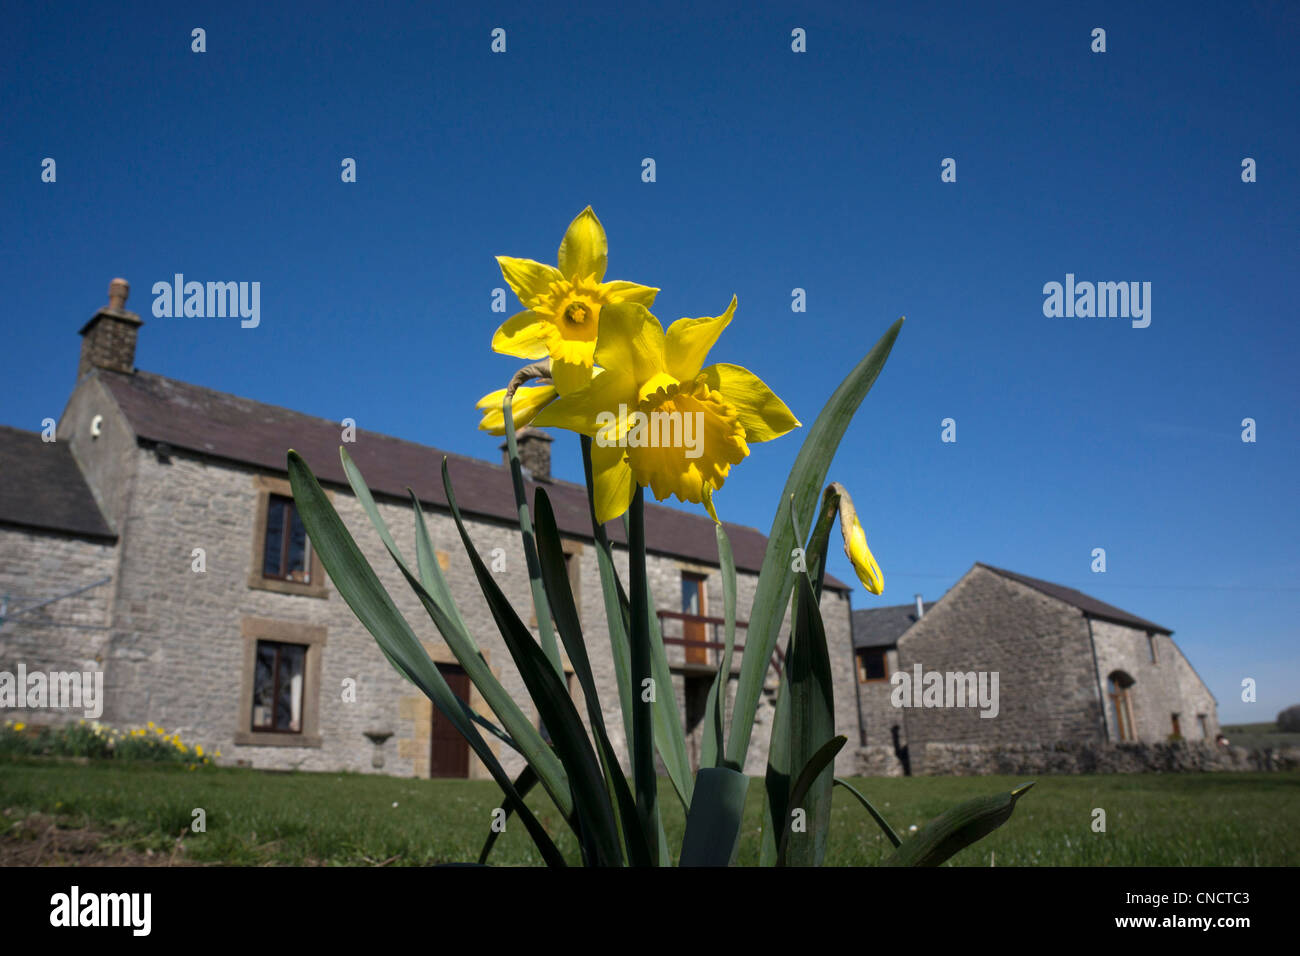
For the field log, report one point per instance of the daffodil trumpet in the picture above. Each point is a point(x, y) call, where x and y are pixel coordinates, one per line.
point(652, 378)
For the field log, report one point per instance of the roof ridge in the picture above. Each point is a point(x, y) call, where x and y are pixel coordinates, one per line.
point(1102, 609)
point(451, 455)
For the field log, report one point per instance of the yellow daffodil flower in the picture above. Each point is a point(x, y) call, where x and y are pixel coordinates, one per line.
point(563, 306)
point(528, 401)
point(709, 414)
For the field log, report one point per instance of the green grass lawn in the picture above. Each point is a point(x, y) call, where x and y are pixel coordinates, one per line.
point(1214, 819)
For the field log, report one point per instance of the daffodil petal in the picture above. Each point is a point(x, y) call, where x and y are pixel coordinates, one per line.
point(611, 479)
point(622, 291)
point(530, 280)
point(761, 413)
point(631, 340)
point(569, 376)
point(689, 340)
point(523, 335)
point(578, 411)
point(584, 251)
point(528, 401)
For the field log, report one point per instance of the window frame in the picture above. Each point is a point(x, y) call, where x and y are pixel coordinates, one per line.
point(1122, 706)
point(316, 585)
point(702, 581)
point(257, 629)
point(275, 687)
point(860, 654)
point(286, 538)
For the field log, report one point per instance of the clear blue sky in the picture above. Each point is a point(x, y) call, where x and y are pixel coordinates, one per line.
point(775, 170)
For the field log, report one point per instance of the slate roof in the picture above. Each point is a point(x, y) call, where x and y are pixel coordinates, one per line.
point(882, 626)
point(42, 487)
point(1089, 605)
point(227, 426)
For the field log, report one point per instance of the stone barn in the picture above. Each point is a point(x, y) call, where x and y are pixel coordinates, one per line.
point(1004, 660)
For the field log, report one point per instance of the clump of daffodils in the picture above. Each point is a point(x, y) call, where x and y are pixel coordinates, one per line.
point(97, 740)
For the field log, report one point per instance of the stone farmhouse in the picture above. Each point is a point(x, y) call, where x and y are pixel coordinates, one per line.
point(150, 536)
point(155, 540)
point(1073, 672)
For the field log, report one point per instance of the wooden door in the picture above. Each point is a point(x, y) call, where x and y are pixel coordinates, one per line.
point(695, 602)
point(448, 751)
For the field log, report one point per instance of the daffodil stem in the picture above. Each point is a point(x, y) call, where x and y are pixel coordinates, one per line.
point(644, 690)
point(540, 603)
point(820, 540)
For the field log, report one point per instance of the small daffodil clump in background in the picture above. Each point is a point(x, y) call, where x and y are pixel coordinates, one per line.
point(101, 741)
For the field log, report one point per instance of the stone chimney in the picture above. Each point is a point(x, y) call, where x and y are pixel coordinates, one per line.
point(108, 339)
point(920, 608)
point(534, 453)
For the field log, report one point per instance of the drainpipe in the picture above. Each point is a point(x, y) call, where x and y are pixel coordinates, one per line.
point(1096, 669)
point(857, 685)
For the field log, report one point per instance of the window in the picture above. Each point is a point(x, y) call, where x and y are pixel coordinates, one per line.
point(279, 698)
point(693, 596)
point(695, 602)
point(872, 665)
point(282, 555)
point(1205, 727)
point(278, 687)
point(287, 552)
point(1178, 730)
point(1151, 647)
point(1117, 686)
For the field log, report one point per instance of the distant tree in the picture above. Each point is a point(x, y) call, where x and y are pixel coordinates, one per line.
point(1288, 721)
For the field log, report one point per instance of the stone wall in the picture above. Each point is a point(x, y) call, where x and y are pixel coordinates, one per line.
point(1038, 646)
point(1161, 688)
point(877, 716)
point(70, 634)
point(1074, 758)
point(108, 460)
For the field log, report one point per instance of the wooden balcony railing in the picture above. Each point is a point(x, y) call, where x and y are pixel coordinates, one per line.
point(715, 625)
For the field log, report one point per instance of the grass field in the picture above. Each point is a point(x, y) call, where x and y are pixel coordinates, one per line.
point(122, 812)
point(1252, 736)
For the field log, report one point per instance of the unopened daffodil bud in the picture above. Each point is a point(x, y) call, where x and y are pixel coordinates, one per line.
point(855, 544)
